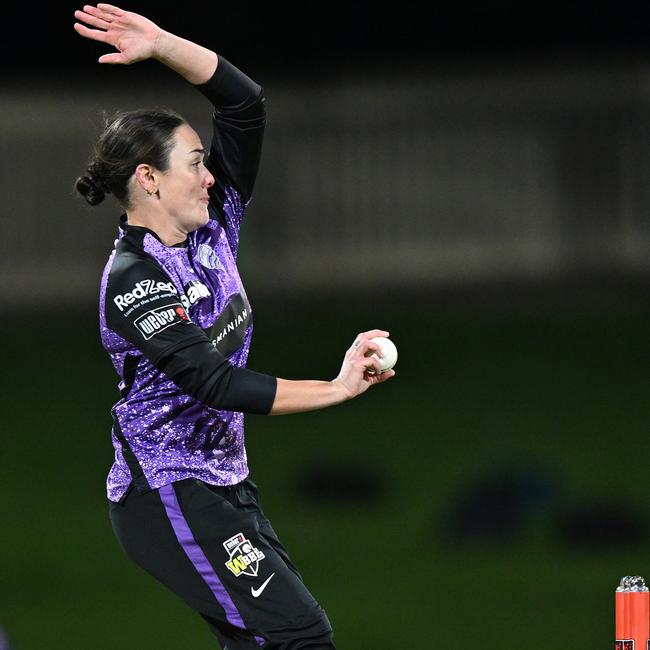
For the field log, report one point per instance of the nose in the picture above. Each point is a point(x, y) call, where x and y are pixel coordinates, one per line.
point(208, 181)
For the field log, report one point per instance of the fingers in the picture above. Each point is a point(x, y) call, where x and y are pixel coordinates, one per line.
point(94, 34)
point(96, 18)
point(372, 333)
point(363, 349)
point(372, 365)
point(88, 18)
point(385, 376)
point(101, 16)
point(364, 337)
point(116, 11)
point(104, 12)
point(361, 367)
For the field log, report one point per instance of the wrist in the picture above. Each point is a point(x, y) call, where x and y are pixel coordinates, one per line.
point(194, 62)
point(162, 46)
point(341, 390)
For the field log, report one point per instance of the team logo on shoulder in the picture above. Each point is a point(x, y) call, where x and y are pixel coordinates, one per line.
point(244, 557)
point(208, 257)
point(156, 320)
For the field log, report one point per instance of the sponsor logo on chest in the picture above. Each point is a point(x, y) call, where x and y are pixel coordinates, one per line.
point(194, 291)
point(228, 332)
point(145, 289)
point(142, 290)
point(230, 326)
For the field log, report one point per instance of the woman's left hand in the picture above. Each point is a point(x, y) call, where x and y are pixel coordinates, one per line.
point(133, 35)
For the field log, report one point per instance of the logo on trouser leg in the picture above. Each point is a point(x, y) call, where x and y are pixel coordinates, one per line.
point(244, 557)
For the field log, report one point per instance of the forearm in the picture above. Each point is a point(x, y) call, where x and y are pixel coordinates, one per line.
point(307, 395)
point(195, 63)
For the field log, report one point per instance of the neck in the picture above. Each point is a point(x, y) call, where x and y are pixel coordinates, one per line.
point(168, 233)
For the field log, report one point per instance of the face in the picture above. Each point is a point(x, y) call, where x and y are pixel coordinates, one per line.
point(183, 188)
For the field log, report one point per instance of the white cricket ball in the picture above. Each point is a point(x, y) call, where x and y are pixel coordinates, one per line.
point(388, 356)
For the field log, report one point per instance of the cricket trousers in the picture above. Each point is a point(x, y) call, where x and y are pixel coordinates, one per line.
point(215, 549)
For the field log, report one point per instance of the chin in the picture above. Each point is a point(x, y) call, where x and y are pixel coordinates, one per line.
point(200, 222)
point(205, 219)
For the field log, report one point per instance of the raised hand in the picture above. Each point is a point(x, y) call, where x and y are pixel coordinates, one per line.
point(134, 36)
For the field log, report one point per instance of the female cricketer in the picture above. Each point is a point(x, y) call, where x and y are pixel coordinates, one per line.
point(176, 322)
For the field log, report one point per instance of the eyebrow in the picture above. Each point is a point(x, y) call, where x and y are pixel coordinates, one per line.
point(196, 151)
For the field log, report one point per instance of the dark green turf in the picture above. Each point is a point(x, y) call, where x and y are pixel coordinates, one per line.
point(562, 388)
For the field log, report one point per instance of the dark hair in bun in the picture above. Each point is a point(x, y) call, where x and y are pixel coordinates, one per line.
point(90, 187)
point(129, 139)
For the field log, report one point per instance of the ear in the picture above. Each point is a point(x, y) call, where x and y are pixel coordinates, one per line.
point(146, 177)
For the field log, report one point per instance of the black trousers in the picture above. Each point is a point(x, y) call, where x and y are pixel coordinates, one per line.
point(213, 547)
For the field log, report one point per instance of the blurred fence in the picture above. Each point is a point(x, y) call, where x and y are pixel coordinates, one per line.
point(394, 180)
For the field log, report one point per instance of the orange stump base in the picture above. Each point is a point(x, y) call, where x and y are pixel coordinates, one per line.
point(632, 620)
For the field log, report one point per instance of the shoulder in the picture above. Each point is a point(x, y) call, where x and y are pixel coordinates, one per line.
point(134, 275)
point(130, 260)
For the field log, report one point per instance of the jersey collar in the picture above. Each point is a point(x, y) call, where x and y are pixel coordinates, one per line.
point(126, 228)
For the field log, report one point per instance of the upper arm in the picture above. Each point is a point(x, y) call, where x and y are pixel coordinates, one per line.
point(144, 307)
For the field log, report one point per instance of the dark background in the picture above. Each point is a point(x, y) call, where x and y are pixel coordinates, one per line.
point(325, 38)
point(492, 495)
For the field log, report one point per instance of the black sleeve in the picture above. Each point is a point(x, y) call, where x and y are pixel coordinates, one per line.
point(238, 130)
point(143, 307)
point(204, 373)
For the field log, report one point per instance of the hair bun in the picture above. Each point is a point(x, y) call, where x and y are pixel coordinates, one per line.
point(90, 188)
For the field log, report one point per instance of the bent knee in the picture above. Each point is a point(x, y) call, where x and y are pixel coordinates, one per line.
point(312, 633)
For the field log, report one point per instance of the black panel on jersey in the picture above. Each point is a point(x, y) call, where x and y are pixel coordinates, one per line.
point(131, 363)
point(137, 475)
point(229, 330)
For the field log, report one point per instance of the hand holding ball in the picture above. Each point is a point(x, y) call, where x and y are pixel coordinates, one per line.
point(367, 362)
point(388, 352)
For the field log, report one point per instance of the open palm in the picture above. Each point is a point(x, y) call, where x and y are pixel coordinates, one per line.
point(133, 35)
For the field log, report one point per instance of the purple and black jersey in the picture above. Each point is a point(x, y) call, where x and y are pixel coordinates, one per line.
point(177, 323)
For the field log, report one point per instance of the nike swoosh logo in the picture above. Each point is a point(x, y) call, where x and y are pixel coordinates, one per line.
point(257, 592)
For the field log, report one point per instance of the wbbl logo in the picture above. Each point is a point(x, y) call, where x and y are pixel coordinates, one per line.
point(161, 318)
point(244, 557)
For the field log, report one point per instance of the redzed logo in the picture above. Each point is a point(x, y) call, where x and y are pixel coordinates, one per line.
point(143, 289)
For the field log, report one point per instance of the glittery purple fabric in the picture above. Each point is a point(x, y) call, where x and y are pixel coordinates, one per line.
point(172, 435)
